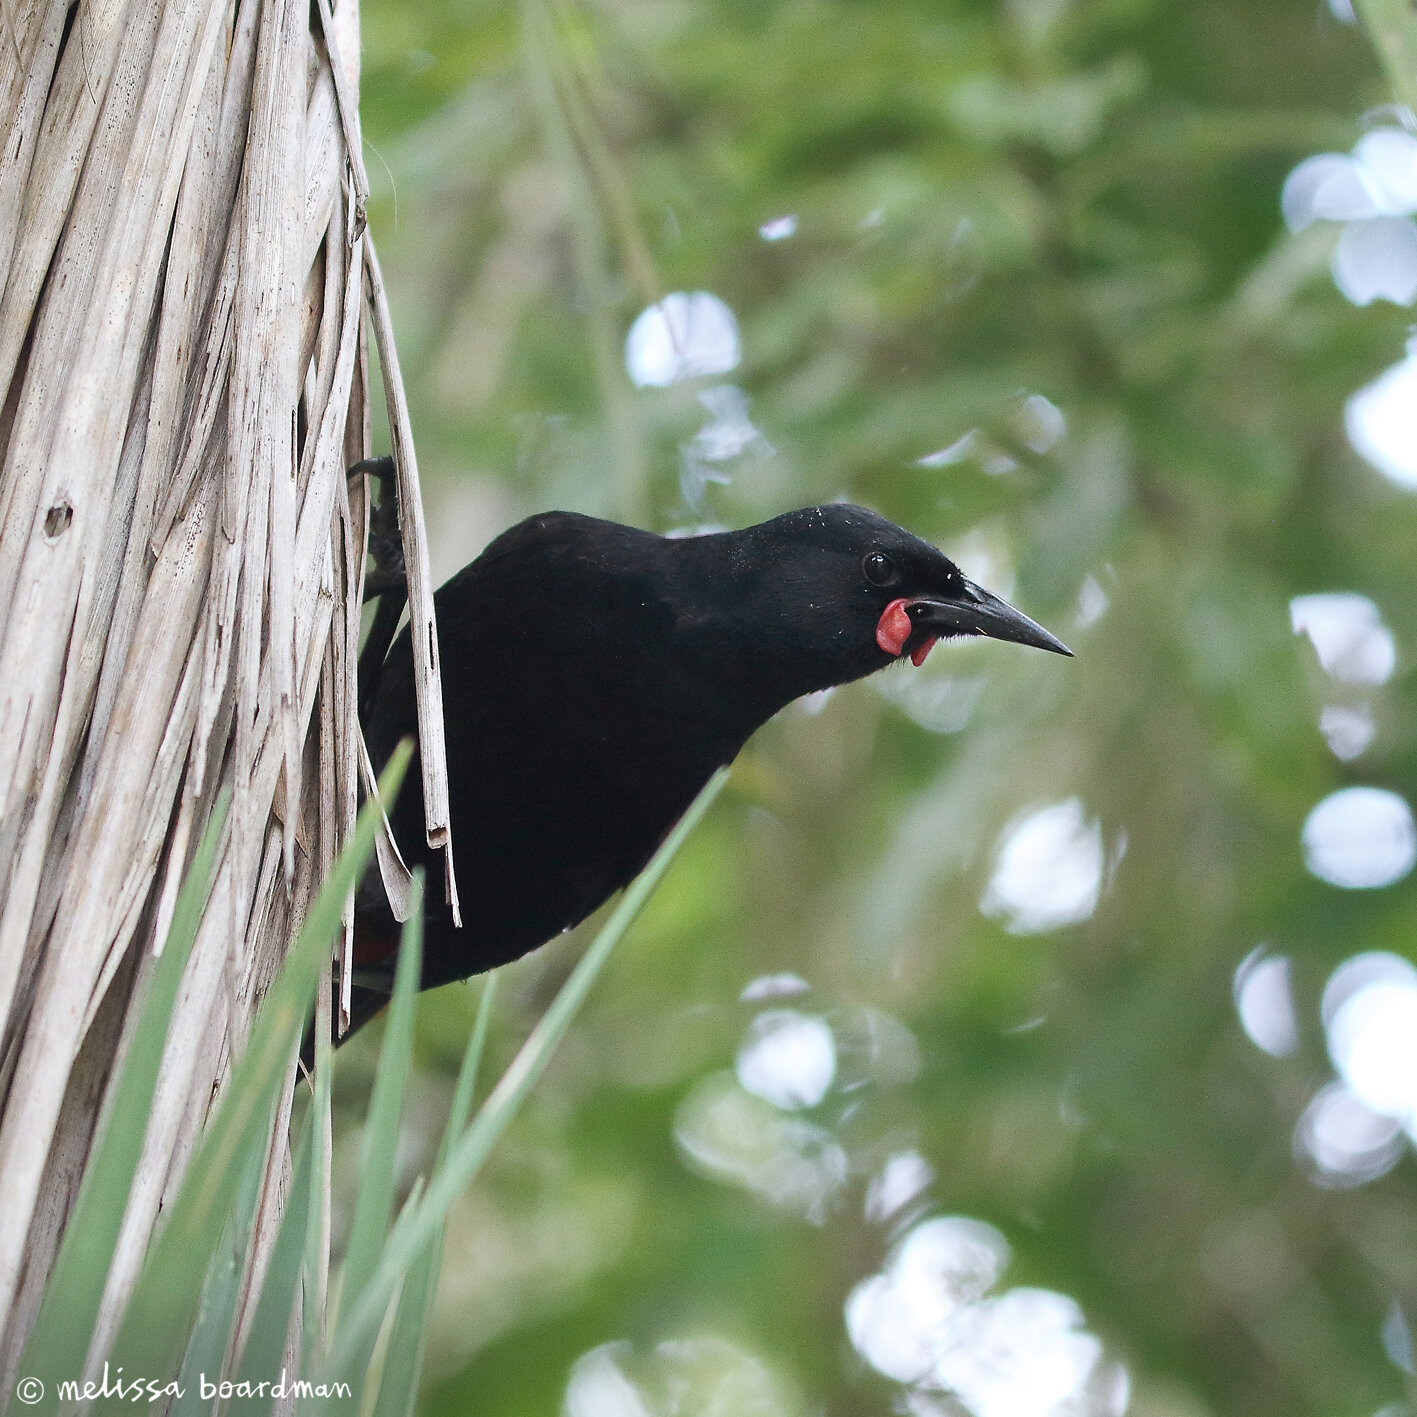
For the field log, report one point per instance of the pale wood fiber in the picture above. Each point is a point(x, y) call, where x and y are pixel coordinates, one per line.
point(186, 296)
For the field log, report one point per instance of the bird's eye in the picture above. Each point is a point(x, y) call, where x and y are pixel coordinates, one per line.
point(879, 569)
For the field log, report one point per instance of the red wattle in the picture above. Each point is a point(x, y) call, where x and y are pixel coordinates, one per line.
point(894, 627)
point(917, 655)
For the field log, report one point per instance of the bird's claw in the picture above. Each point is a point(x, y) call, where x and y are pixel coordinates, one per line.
point(385, 538)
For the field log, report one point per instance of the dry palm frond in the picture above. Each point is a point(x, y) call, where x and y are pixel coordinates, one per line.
point(183, 380)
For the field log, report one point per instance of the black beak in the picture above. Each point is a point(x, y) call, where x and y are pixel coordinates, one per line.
point(977, 612)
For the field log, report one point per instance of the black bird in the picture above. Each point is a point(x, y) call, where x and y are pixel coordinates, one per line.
point(595, 677)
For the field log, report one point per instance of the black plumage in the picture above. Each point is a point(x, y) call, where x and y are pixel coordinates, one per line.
point(594, 678)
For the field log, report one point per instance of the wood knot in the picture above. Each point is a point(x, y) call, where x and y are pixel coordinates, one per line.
point(57, 520)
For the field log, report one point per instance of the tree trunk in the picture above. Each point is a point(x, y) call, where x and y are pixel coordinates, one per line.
point(184, 366)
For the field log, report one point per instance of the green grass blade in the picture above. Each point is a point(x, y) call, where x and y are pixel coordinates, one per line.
point(153, 1335)
point(206, 1349)
point(374, 1373)
point(376, 1376)
point(265, 1344)
point(403, 1366)
point(317, 1227)
point(467, 1073)
point(363, 1381)
point(403, 1362)
point(374, 1204)
point(59, 1343)
point(417, 1228)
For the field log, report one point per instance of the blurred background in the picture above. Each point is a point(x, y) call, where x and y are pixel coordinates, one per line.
point(1018, 1036)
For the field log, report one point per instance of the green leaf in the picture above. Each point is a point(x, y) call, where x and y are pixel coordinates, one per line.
point(155, 1326)
point(375, 1201)
point(403, 1364)
point(317, 1203)
point(265, 1344)
point(467, 1073)
point(416, 1228)
point(211, 1335)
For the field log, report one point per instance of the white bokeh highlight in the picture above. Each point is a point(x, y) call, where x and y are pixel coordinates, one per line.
point(735, 1137)
point(1047, 870)
point(1347, 632)
point(928, 1320)
point(598, 1386)
point(699, 1376)
point(898, 1319)
point(774, 986)
point(1358, 1126)
point(728, 434)
point(1025, 1354)
point(1387, 157)
point(1325, 187)
point(1381, 422)
point(1360, 838)
point(904, 1176)
point(1264, 1001)
point(1344, 1142)
point(1092, 604)
point(1033, 420)
point(1370, 1020)
point(1377, 260)
point(1039, 423)
point(1397, 1340)
point(685, 335)
point(788, 1059)
point(1372, 191)
point(1348, 729)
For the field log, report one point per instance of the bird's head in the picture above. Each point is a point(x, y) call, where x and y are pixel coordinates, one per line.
point(839, 591)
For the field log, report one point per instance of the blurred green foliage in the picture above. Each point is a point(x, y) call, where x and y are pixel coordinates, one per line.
point(992, 201)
